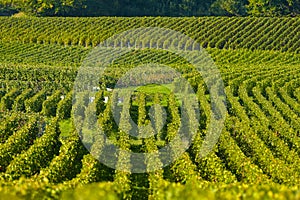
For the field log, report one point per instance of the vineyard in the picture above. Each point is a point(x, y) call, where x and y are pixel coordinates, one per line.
point(44, 155)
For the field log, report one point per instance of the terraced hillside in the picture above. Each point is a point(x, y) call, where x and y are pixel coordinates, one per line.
point(42, 155)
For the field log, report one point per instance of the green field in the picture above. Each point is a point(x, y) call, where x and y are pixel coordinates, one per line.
point(42, 155)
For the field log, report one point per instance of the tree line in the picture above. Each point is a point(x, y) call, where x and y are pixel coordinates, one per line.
point(151, 7)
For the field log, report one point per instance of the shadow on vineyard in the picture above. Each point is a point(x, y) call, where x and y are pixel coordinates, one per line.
point(51, 149)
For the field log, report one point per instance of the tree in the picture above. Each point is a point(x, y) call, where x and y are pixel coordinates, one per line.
point(46, 7)
point(273, 7)
point(229, 7)
point(153, 7)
